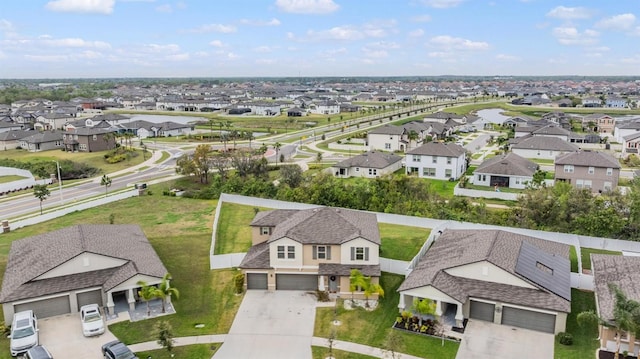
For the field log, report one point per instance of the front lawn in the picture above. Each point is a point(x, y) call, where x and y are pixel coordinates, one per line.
point(323, 353)
point(585, 339)
point(372, 327)
point(187, 351)
point(401, 242)
point(585, 255)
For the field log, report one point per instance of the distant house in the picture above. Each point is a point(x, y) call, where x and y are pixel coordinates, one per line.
point(510, 170)
point(9, 126)
point(443, 117)
point(295, 112)
point(591, 102)
point(631, 143)
point(89, 139)
point(51, 121)
point(389, 138)
point(171, 129)
point(371, 164)
point(11, 140)
point(42, 141)
point(615, 102)
point(625, 128)
point(327, 107)
point(591, 170)
point(542, 147)
point(599, 122)
point(437, 160)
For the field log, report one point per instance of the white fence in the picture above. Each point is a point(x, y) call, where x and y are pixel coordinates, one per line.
point(26, 183)
point(457, 191)
point(582, 281)
point(393, 266)
point(348, 147)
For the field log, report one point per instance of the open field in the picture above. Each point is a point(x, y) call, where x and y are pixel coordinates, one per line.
point(7, 179)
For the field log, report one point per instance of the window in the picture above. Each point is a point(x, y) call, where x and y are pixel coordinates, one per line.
point(434, 159)
point(448, 160)
point(373, 172)
point(387, 146)
point(609, 171)
point(447, 173)
point(607, 186)
point(482, 178)
point(518, 179)
point(429, 172)
point(280, 252)
point(357, 169)
point(290, 252)
point(95, 137)
point(359, 253)
point(83, 147)
point(415, 158)
point(58, 143)
point(265, 231)
point(322, 252)
point(591, 170)
point(587, 184)
point(568, 168)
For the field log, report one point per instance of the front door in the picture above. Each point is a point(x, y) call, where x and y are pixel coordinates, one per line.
point(333, 284)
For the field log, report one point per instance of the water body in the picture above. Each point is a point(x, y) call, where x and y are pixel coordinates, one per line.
point(493, 115)
point(164, 118)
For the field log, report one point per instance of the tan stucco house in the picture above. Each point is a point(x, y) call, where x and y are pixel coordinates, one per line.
point(58, 272)
point(495, 276)
point(596, 171)
point(311, 249)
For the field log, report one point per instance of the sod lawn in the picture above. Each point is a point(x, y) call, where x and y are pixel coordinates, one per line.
point(585, 339)
point(188, 351)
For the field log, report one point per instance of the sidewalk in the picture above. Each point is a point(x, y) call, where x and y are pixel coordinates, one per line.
point(315, 341)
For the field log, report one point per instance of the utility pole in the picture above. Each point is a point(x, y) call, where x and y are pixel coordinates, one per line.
point(59, 180)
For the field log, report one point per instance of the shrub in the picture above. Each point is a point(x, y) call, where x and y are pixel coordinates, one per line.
point(565, 338)
point(238, 281)
point(322, 295)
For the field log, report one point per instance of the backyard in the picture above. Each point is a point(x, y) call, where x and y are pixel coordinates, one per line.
point(585, 340)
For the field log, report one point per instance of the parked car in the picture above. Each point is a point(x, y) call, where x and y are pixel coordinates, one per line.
point(38, 352)
point(24, 332)
point(117, 350)
point(92, 323)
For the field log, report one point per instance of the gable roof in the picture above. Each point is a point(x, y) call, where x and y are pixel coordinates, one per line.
point(544, 143)
point(387, 130)
point(371, 159)
point(622, 271)
point(551, 130)
point(42, 137)
point(587, 159)
point(509, 165)
point(34, 256)
point(438, 149)
point(456, 248)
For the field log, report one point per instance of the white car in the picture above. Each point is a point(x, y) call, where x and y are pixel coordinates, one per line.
point(92, 323)
point(24, 332)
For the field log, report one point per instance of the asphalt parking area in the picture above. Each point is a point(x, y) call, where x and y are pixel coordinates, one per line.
point(484, 340)
point(62, 336)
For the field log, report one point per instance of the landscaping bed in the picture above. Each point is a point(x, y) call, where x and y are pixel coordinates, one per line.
point(603, 354)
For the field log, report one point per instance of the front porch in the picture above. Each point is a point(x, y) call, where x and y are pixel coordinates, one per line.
point(126, 303)
point(448, 311)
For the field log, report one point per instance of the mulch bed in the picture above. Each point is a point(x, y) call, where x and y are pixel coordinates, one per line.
point(603, 354)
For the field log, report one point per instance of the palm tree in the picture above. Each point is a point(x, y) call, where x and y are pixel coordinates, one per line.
point(148, 292)
point(369, 288)
point(626, 316)
point(356, 281)
point(106, 182)
point(167, 291)
point(424, 307)
point(277, 146)
point(412, 136)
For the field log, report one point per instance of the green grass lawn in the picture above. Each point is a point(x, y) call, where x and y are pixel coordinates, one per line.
point(372, 327)
point(7, 179)
point(585, 340)
point(585, 255)
point(492, 189)
point(322, 353)
point(234, 233)
point(195, 351)
point(443, 188)
point(401, 242)
point(573, 257)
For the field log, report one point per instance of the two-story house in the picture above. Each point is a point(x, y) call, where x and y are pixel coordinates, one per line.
point(615, 102)
point(437, 160)
point(89, 139)
point(389, 138)
point(595, 171)
point(311, 249)
point(599, 122)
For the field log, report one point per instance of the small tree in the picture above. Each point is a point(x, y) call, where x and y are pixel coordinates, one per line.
point(148, 292)
point(164, 333)
point(106, 182)
point(356, 282)
point(371, 288)
point(318, 158)
point(238, 281)
point(41, 192)
point(393, 344)
point(276, 147)
point(165, 290)
point(424, 307)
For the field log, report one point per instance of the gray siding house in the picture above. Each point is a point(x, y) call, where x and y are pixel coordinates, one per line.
point(370, 164)
point(595, 171)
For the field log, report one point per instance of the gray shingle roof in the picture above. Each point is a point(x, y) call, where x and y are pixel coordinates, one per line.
point(508, 165)
point(257, 257)
point(622, 271)
point(545, 143)
point(588, 158)
point(371, 159)
point(456, 248)
point(34, 256)
point(438, 149)
point(345, 269)
point(387, 130)
point(551, 131)
point(42, 137)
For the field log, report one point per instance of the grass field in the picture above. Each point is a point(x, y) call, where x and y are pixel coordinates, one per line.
point(372, 327)
point(585, 340)
point(585, 255)
point(401, 242)
point(234, 233)
point(7, 179)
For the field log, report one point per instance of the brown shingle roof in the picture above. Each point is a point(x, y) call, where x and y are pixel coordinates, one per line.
point(588, 158)
point(508, 165)
point(371, 159)
point(622, 271)
point(438, 149)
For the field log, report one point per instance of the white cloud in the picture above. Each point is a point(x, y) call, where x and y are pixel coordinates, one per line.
point(307, 6)
point(2, 55)
point(90, 55)
point(217, 43)
point(569, 13)
point(374, 53)
point(620, 22)
point(263, 49)
point(505, 57)
point(377, 29)
point(571, 36)
point(155, 48)
point(74, 42)
point(634, 60)
point(416, 33)
point(82, 6)
point(47, 58)
point(421, 18)
point(440, 54)
point(457, 43)
point(330, 53)
point(225, 29)
point(442, 4)
point(272, 22)
point(178, 57)
point(232, 56)
point(337, 33)
point(386, 45)
point(166, 8)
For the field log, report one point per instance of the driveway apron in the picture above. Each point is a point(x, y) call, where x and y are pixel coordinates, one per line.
point(271, 325)
point(484, 340)
point(62, 336)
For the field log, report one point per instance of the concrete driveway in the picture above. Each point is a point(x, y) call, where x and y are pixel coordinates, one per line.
point(484, 340)
point(271, 325)
point(62, 336)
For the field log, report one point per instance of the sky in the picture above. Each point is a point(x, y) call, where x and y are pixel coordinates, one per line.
point(293, 38)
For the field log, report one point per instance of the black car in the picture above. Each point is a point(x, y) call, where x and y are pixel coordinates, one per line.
point(38, 352)
point(117, 350)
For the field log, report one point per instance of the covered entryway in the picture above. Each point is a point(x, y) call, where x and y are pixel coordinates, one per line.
point(528, 319)
point(91, 297)
point(46, 307)
point(481, 310)
point(296, 282)
point(257, 281)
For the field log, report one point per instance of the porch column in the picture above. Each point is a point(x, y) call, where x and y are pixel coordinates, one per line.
point(632, 342)
point(401, 301)
point(131, 299)
point(321, 283)
point(110, 305)
point(438, 308)
point(459, 316)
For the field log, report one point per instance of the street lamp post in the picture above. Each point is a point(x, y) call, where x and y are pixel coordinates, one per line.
point(59, 180)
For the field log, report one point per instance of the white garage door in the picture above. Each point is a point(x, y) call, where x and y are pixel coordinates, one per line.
point(481, 310)
point(257, 281)
point(47, 307)
point(296, 282)
point(92, 297)
point(528, 319)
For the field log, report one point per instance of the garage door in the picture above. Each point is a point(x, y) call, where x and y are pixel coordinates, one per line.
point(47, 307)
point(256, 281)
point(527, 319)
point(92, 297)
point(482, 311)
point(296, 282)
